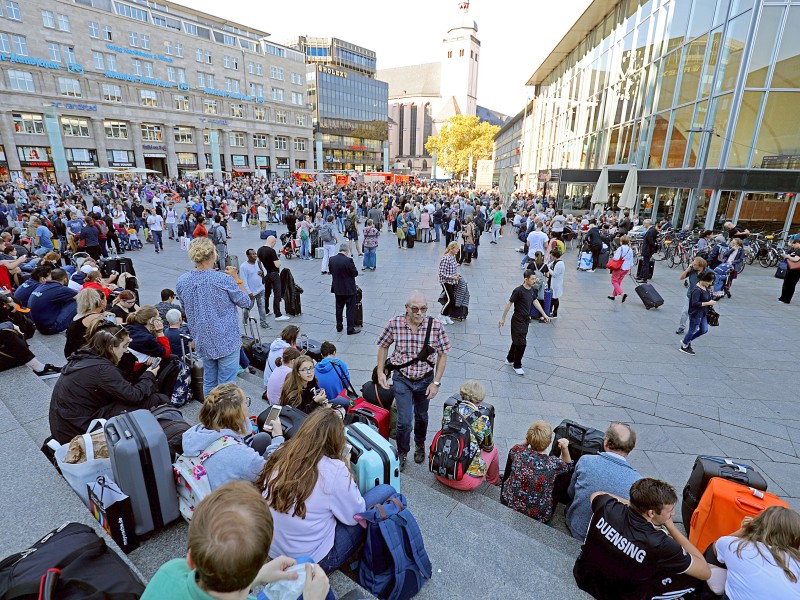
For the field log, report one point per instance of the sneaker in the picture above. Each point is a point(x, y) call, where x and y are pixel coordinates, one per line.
point(492, 242)
point(48, 372)
point(624, 297)
point(680, 331)
point(687, 349)
point(419, 454)
point(282, 318)
point(782, 302)
point(402, 460)
point(519, 371)
point(591, 270)
point(508, 362)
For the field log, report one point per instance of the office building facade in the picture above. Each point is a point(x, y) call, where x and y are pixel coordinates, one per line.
point(107, 83)
point(350, 106)
point(698, 94)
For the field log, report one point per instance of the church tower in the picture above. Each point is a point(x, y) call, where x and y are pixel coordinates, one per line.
point(460, 56)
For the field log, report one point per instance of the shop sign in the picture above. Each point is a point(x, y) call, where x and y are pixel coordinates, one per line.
point(262, 161)
point(154, 155)
point(38, 62)
point(357, 147)
point(36, 164)
point(33, 153)
point(214, 121)
point(72, 106)
point(138, 79)
point(141, 53)
point(239, 160)
point(82, 163)
point(233, 95)
point(330, 71)
point(121, 163)
point(154, 147)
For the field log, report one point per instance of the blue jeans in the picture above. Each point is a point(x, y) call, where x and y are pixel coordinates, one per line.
point(437, 228)
point(340, 224)
point(370, 258)
point(66, 314)
point(411, 401)
point(157, 239)
point(305, 248)
point(348, 537)
point(697, 326)
point(220, 370)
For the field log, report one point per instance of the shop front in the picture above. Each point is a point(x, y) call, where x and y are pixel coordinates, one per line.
point(78, 160)
point(36, 162)
point(121, 158)
point(155, 158)
point(187, 161)
point(282, 166)
point(240, 165)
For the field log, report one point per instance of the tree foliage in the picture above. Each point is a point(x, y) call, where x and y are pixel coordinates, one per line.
point(458, 137)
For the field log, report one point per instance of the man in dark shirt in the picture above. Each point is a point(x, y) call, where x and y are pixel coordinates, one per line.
point(595, 241)
point(53, 304)
point(272, 276)
point(521, 298)
point(138, 215)
point(634, 551)
point(343, 285)
point(736, 231)
point(291, 222)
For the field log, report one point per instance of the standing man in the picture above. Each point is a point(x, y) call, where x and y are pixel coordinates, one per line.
point(171, 221)
point(649, 247)
point(497, 223)
point(418, 361)
point(253, 278)
point(272, 279)
point(557, 224)
point(216, 233)
point(521, 298)
point(155, 223)
point(376, 214)
point(343, 285)
point(537, 242)
point(328, 239)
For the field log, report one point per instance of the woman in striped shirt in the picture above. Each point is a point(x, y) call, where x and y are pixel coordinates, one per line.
point(448, 277)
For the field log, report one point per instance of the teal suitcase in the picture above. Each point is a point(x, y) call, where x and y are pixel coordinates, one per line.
point(373, 459)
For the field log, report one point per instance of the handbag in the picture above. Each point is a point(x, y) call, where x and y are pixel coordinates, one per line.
point(469, 248)
point(712, 317)
point(112, 508)
point(615, 264)
point(783, 268)
point(793, 264)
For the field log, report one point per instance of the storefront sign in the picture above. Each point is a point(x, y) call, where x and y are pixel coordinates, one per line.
point(141, 53)
point(357, 147)
point(262, 161)
point(154, 155)
point(233, 95)
point(154, 147)
point(38, 62)
point(139, 79)
point(71, 106)
point(239, 160)
point(214, 121)
point(33, 153)
point(330, 71)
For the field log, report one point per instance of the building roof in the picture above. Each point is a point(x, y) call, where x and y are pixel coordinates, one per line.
point(491, 116)
point(413, 81)
point(591, 18)
point(450, 109)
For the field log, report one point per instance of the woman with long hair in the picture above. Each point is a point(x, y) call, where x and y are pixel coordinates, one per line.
point(287, 338)
point(313, 498)
point(91, 308)
point(301, 389)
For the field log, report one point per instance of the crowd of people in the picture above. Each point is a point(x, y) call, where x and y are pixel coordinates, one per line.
point(55, 240)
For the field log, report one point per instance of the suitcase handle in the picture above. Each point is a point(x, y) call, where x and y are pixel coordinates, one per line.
point(750, 506)
point(581, 437)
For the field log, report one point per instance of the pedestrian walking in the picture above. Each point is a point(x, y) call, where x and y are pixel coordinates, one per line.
point(272, 279)
point(253, 276)
point(370, 246)
point(448, 277)
point(522, 298)
point(625, 254)
point(417, 362)
point(171, 221)
point(155, 223)
point(351, 230)
point(649, 247)
point(699, 303)
point(792, 258)
point(328, 239)
point(692, 272)
point(556, 269)
point(343, 286)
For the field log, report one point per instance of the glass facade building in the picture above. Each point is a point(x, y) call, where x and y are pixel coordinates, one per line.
point(698, 94)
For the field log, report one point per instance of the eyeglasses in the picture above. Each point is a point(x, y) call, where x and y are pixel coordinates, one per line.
point(418, 309)
point(306, 370)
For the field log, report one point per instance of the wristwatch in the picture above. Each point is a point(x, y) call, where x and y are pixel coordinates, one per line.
point(437, 383)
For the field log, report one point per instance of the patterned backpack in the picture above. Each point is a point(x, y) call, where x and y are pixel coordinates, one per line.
point(191, 478)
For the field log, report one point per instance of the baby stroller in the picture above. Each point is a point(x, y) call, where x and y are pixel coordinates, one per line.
point(291, 246)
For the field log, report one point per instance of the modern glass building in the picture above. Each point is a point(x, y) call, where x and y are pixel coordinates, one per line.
point(698, 94)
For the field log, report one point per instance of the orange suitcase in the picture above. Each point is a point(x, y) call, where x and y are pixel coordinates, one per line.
point(723, 506)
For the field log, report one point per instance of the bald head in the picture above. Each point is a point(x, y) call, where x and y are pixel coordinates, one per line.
point(270, 241)
point(619, 438)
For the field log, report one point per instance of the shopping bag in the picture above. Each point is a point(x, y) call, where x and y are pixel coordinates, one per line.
point(184, 242)
point(113, 510)
point(84, 473)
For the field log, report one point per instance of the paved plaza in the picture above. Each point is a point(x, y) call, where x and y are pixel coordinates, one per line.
point(597, 363)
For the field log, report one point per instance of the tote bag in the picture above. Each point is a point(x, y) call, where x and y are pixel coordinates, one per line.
point(80, 475)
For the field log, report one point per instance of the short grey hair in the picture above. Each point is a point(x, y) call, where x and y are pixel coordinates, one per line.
point(344, 247)
point(173, 316)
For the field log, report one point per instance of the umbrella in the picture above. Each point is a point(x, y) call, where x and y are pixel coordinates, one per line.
point(136, 170)
point(630, 190)
point(98, 170)
point(600, 193)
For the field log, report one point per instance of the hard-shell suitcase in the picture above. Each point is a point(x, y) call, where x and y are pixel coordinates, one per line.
point(548, 302)
point(373, 459)
point(602, 260)
point(370, 414)
point(582, 441)
point(256, 350)
point(195, 364)
point(485, 408)
point(126, 265)
point(232, 260)
point(291, 419)
point(706, 467)
point(142, 467)
point(649, 296)
point(311, 347)
point(723, 506)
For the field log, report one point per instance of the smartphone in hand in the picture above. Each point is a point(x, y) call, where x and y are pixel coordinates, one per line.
point(274, 413)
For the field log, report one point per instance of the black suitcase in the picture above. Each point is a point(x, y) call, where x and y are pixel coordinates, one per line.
point(582, 441)
point(291, 419)
point(706, 467)
point(359, 320)
point(649, 296)
point(602, 260)
point(257, 351)
point(311, 347)
point(195, 364)
point(109, 265)
point(126, 265)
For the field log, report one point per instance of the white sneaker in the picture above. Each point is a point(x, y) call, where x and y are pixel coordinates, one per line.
point(519, 371)
point(282, 318)
point(508, 362)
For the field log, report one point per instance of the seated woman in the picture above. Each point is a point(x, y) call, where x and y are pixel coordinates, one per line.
point(301, 389)
point(146, 330)
point(94, 281)
point(485, 464)
point(313, 508)
point(224, 416)
point(92, 386)
point(15, 328)
point(530, 474)
point(762, 558)
point(123, 305)
point(286, 339)
point(278, 376)
point(91, 308)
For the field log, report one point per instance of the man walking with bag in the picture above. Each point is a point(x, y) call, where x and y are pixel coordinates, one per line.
point(343, 285)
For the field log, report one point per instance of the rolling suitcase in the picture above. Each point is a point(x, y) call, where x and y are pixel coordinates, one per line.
point(195, 364)
point(257, 351)
point(291, 419)
point(311, 347)
point(723, 506)
point(359, 320)
point(706, 467)
point(649, 296)
point(361, 411)
point(548, 302)
point(582, 441)
point(142, 467)
point(126, 265)
point(373, 459)
point(602, 260)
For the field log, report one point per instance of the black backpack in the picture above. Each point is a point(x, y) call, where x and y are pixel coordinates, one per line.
point(89, 569)
point(451, 449)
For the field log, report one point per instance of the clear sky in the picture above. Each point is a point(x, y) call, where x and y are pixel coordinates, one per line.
point(516, 35)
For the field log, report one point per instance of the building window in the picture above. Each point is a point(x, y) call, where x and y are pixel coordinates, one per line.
point(301, 120)
point(208, 59)
point(198, 55)
point(297, 98)
point(281, 143)
point(251, 68)
point(183, 135)
point(108, 33)
point(461, 52)
point(94, 30)
point(145, 41)
point(230, 62)
point(277, 94)
point(171, 74)
point(74, 127)
point(133, 39)
point(151, 133)
point(123, 158)
point(137, 66)
point(179, 50)
point(117, 130)
point(20, 44)
point(210, 107)
point(228, 40)
point(260, 140)
point(12, 11)
point(48, 20)
point(299, 144)
point(69, 87)
point(148, 98)
point(449, 54)
point(190, 28)
point(181, 73)
point(99, 61)
point(237, 110)
point(5, 45)
point(54, 52)
point(276, 73)
point(28, 123)
point(186, 158)
point(181, 102)
point(281, 116)
point(21, 81)
point(69, 54)
point(236, 139)
point(111, 62)
point(257, 90)
point(232, 85)
point(130, 11)
point(413, 131)
point(259, 69)
point(260, 113)
point(63, 22)
point(112, 92)
point(297, 78)
point(168, 48)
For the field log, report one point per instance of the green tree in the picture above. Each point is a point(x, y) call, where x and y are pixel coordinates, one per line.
point(460, 136)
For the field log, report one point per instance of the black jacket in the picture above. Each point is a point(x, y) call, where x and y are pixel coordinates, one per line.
point(650, 242)
point(343, 275)
point(594, 238)
point(92, 387)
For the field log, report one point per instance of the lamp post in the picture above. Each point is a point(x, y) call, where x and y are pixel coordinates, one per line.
point(692, 204)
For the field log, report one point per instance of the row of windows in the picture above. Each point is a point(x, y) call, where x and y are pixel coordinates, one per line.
point(12, 10)
point(50, 20)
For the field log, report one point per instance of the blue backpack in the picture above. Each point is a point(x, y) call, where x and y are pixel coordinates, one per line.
point(394, 564)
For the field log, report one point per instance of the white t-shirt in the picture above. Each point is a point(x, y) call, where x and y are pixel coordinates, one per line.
point(752, 575)
point(558, 222)
point(155, 222)
point(536, 242)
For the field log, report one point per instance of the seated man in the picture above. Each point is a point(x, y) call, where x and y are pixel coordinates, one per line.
point(175, 329)
point(332, 374)
point(634, 551)
point(40, 275)
point(53, 304)
point(229, 539)
point(168, 303)
point(608, 471)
